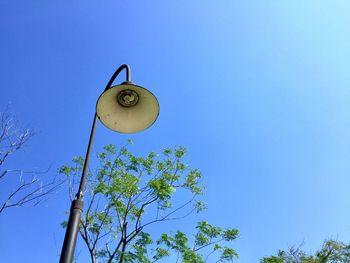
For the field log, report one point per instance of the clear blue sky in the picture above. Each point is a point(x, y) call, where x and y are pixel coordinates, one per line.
point(258, 91)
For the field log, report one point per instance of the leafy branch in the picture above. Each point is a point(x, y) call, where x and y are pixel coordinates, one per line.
point(126, 194)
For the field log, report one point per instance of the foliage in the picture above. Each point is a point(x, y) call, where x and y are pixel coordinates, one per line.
point(127, 194)
point(332, 251)
point(207, 235)
point(29, 189)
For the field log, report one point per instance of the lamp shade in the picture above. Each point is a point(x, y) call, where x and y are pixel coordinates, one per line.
point(127, 108)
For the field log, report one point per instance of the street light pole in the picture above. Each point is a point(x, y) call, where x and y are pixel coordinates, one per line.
point(123, 96)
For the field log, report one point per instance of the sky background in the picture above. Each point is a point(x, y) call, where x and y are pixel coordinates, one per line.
point(258, 92)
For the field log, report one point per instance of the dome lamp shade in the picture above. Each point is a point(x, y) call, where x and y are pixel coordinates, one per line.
point(127, 108)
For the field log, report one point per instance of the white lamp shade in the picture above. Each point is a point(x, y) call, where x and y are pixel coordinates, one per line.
point(124, 118)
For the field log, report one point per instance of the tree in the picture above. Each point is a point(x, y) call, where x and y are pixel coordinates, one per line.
point(127, 194)
point(332, 251)
point(27, 189)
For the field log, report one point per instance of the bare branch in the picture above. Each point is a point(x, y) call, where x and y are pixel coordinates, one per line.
point(12, 136)
point(30, 191)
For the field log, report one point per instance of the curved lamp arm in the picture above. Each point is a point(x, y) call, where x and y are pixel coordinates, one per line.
point(116, 73)
point(76, 208)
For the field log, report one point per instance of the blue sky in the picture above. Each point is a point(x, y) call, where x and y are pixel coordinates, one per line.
point(258, 91)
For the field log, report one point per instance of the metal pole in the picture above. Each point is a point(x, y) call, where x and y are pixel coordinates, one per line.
point(76, 208)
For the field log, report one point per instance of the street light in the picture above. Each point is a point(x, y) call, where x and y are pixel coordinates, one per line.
point(125, 108)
